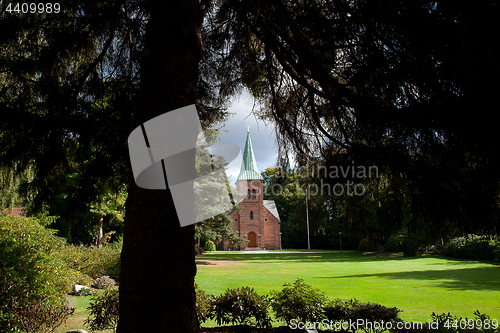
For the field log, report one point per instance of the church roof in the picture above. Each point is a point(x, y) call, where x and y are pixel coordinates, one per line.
point(249, 165)
point(271, 207)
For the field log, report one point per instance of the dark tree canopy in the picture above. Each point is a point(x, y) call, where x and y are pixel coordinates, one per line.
point(404, 85)
point(69, 97)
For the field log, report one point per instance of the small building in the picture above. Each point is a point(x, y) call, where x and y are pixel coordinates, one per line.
point(258, 220)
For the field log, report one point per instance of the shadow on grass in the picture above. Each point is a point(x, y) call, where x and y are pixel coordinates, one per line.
point(477, 278)
point(351, 256)
point(346, 256)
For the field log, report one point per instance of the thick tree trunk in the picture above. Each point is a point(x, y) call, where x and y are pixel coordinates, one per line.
point(158, 268)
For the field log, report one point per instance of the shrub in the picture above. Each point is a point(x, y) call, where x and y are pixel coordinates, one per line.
point(209, 246)
point(473, 247)
point(350, 311)
point(298, 301)
point(496, 251)
point(84, 292)
point(445, 322)
point(40, 317)
point(239, 306)
point(33, 277)
point(104, 282)
point(93, 261)
point(340, 310)
point(103, 310)
point(394, 244)
point(409, 248)
point(204, 304)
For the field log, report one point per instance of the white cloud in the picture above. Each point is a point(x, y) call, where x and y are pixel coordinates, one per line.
point(262, 136)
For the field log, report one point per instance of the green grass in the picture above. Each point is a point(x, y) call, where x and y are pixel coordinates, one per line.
point(418, 286)
point(80, 303)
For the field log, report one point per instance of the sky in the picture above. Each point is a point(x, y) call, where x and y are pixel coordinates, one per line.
point(262, 136)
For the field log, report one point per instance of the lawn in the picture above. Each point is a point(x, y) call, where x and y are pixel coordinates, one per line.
point(418, 286)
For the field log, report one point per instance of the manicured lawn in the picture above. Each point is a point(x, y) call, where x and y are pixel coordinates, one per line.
point(418, 286)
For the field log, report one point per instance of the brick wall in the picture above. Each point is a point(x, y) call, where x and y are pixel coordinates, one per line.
point(263, 223)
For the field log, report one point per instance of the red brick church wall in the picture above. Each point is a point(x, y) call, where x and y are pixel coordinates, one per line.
point(272, 230)
point(263, 223)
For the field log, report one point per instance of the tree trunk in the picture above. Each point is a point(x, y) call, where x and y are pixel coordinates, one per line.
point(100, 234)
point(158, 268)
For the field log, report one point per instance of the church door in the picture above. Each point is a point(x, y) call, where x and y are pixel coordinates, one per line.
point(252, 239)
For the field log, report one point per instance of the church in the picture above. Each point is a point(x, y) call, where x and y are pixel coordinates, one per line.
point(258, 220)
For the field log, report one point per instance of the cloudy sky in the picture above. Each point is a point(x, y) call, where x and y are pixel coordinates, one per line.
point(263, 138)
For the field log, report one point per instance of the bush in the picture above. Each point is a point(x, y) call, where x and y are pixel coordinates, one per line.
point(103, 310)
point(239, 306)
point(33, 277)
point(340, 310)
point(84, 292)
point(445, 322)
point(209, 246)
point(496, 251)
point(394, 244)
point(104, 282)
point(93, 261)
point(204, 304)
point(298, 301)
point(350, 311)
point(473, 247)
point(409, 248)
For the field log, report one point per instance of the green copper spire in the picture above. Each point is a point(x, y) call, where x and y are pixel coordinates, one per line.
point(249, 166)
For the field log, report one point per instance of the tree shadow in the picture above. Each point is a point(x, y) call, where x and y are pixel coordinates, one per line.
point(345, 256)
point(474, 278)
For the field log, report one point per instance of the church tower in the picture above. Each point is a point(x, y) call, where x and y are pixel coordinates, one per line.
point(258, 219)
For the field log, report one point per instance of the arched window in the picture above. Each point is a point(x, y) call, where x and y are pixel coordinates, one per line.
point(248, 194)
point(253, 194)
point(251, 215)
